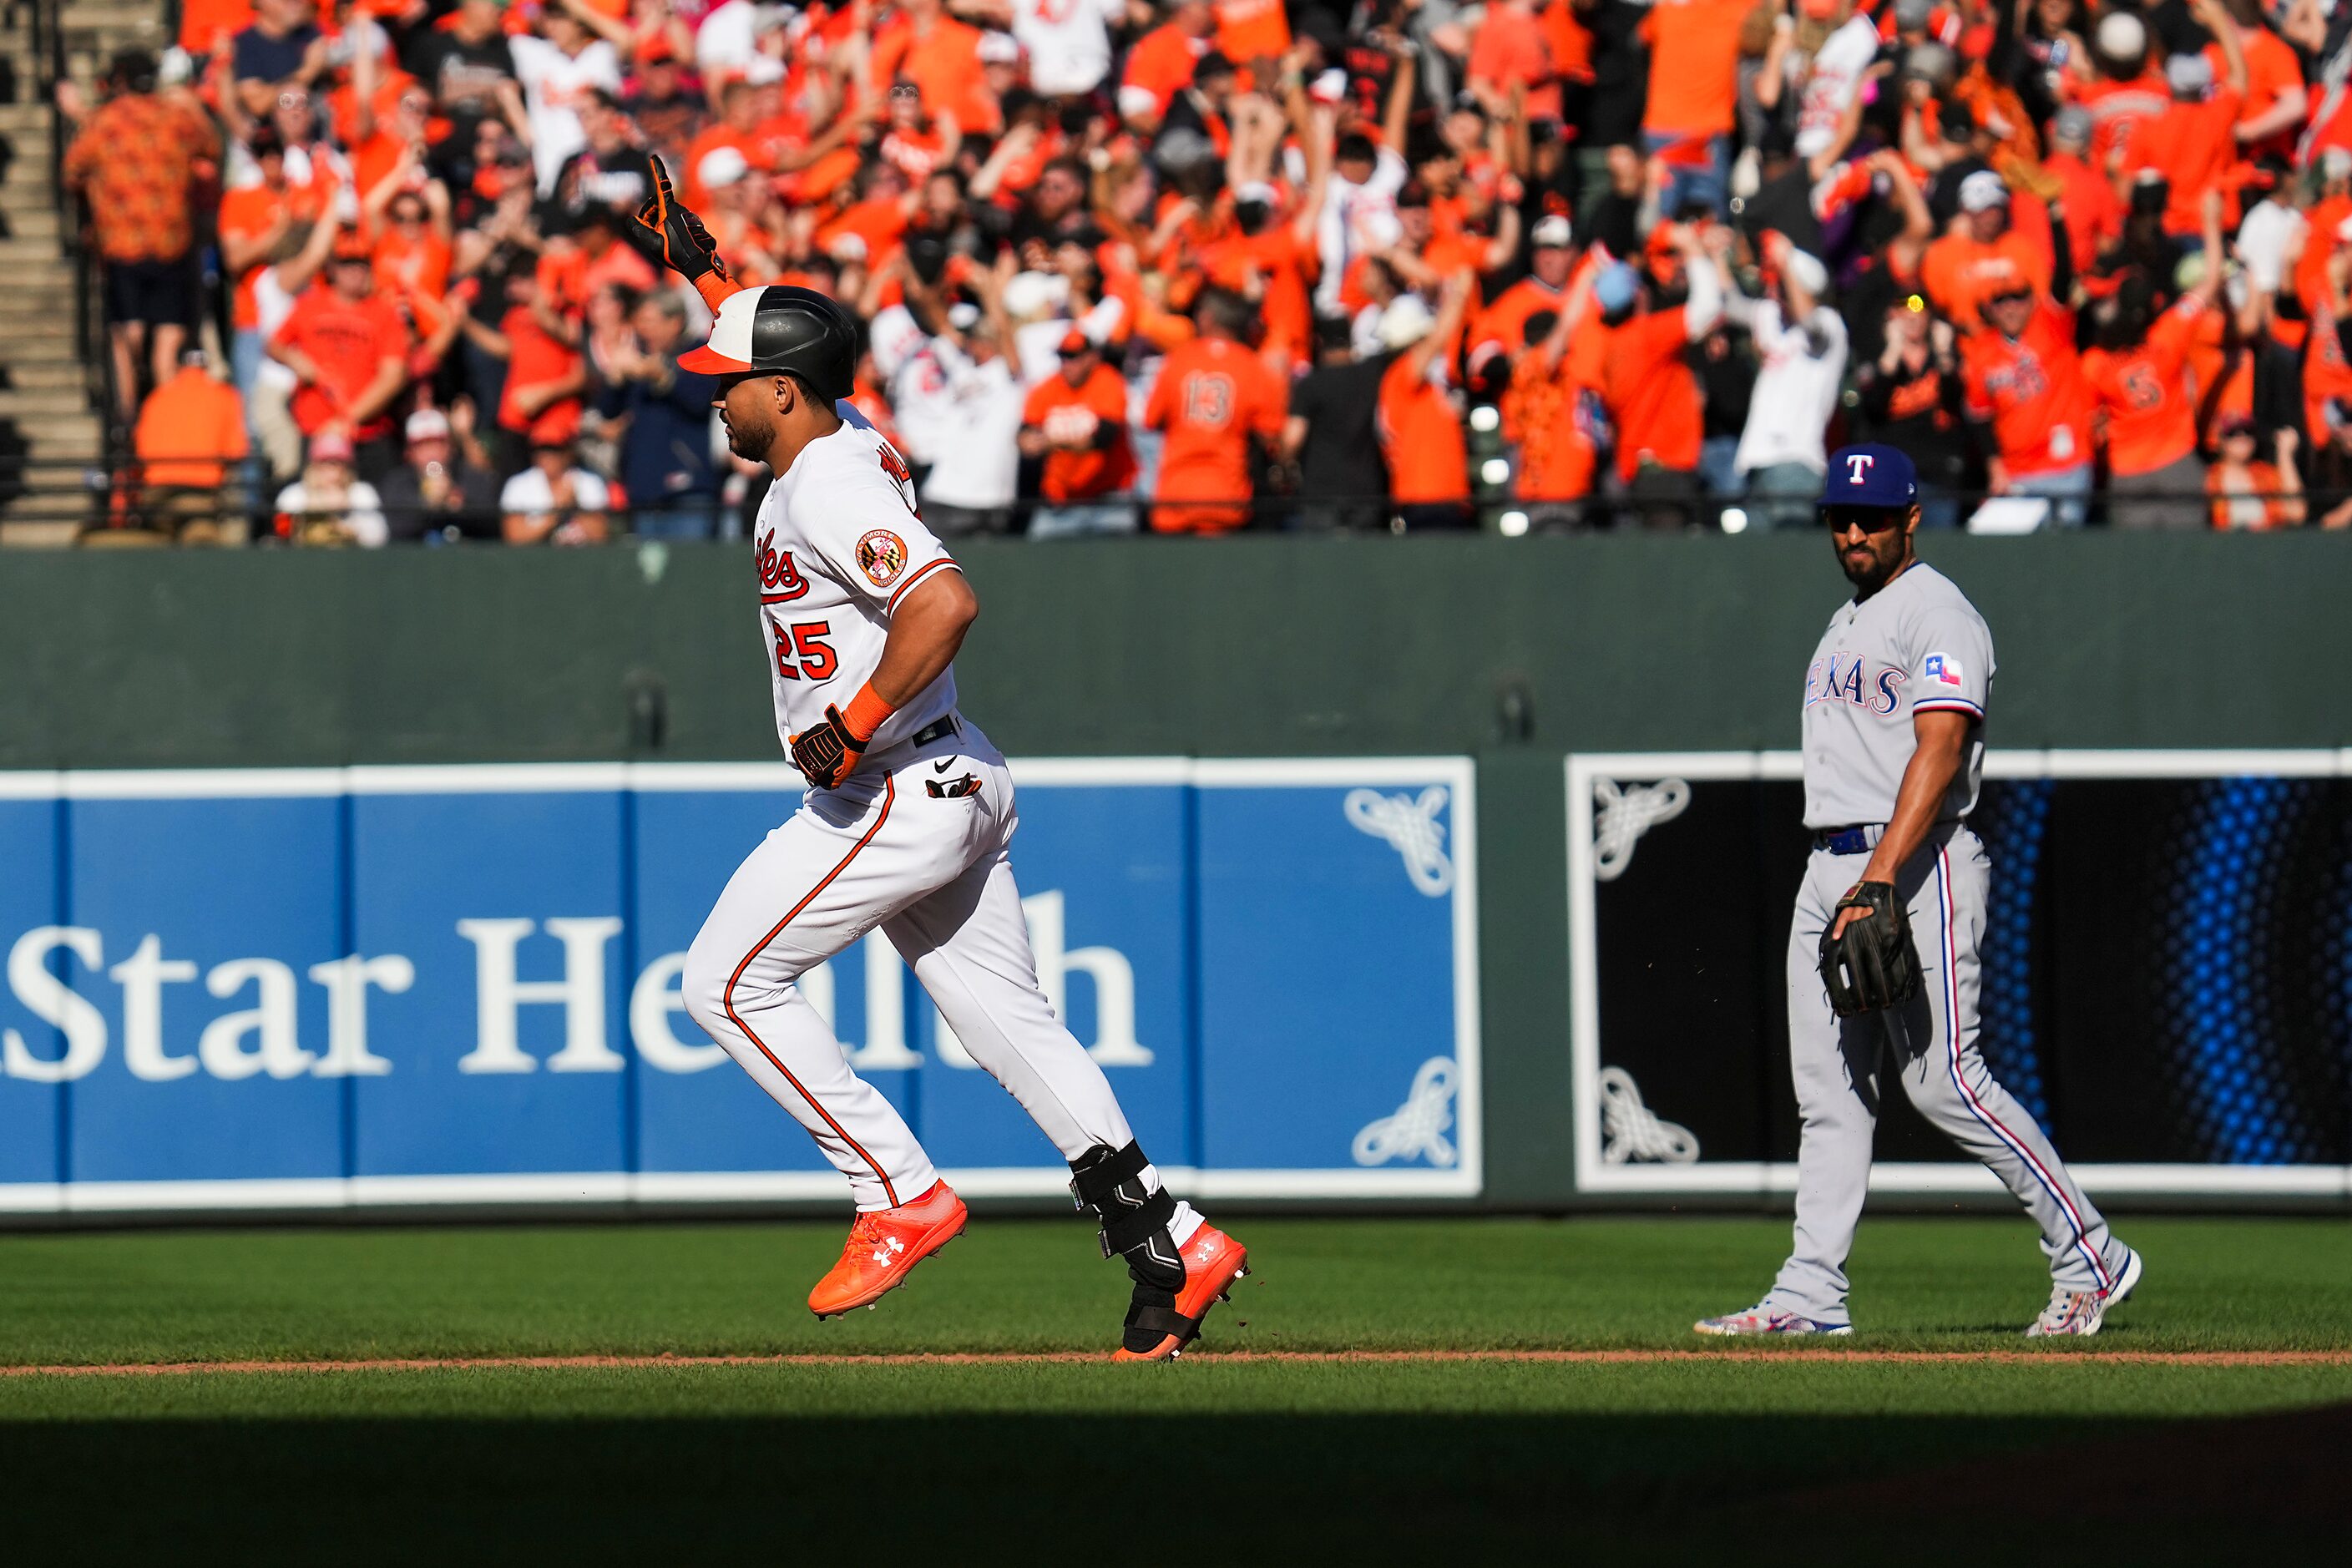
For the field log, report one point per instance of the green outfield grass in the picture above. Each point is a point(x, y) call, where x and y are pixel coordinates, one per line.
point(1744, 1454)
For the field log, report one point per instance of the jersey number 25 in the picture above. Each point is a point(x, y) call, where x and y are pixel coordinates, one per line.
point(801, 650)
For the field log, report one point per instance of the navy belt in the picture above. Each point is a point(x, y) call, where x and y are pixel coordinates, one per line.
point(936, 730)
point(1848, 840)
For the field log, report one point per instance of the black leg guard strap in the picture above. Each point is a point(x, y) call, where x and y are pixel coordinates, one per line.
point(1108, 1183)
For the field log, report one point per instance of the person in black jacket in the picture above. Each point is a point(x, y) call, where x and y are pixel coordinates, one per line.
point(1343, 480)
point(1911, 399)
point(665, 466)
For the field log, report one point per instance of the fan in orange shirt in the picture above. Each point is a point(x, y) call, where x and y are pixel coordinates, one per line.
point(2125, 88)
point(1252, 30)
point(2276, 101)
point(349, 349)
point(1647, 383)
point(255, 219)
point(1273, 262)
point(1419, 422)
point(1425, 259)
point(2139, 372)
point(1512, 54)
point(738, 126)
point(2025, 382)
point(1553, 269)
point(1163, 59)
point(412, 261)
point(1552, 413)
point(2193, 143)
point(1694, 94)
point(1984, 257)
point(1075, 419)
point(2249, 494)
point(941, 55)
point(1213, 396)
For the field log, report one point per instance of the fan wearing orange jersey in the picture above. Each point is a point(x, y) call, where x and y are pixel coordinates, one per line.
point(1983, 255)
point(1647, 385)
point(2025, 385)
point(1552, 267)
point(1213, 399)
point(1552, 411)
point(1076, 421)
point(1419, 423)
point(2276, 101)
point(2193, 143)
point(2246, 493)
point(2139, 372)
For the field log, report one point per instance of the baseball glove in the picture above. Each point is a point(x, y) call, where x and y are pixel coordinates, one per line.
point(1874, 965)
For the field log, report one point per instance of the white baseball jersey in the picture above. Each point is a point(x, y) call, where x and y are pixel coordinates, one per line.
point(1916, 646)
point(921, 404)
point(1068, 43)
point(554, 84)
point(916, 842)
point(1833, 82)
point(838, 546)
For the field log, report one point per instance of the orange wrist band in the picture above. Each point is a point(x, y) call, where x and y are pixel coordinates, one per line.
point(716, 289)
point(866, 714)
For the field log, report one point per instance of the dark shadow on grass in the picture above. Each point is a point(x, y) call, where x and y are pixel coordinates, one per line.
point(1051, 1489)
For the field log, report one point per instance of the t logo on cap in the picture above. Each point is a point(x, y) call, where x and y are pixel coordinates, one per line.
point(1858, 466)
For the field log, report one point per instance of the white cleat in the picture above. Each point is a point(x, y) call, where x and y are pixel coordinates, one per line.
point(2081, 1314)
point(1763, 1319)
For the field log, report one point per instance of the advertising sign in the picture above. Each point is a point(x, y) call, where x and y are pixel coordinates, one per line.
point(2167, 971)
point(307, 988)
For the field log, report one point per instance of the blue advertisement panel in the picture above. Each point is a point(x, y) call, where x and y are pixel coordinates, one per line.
point(1103, 879)
point(492, 924)
point(413, 986)
point(34, 1050)
point(208, 914)
point(695, 1110)
point(1332, 985)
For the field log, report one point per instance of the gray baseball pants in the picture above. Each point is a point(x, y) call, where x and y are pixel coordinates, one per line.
point(1929, 1047)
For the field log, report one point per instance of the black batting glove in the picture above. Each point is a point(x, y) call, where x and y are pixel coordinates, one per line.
point(828, 754)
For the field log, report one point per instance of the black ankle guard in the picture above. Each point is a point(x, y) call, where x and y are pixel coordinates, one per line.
point(1107, 1183)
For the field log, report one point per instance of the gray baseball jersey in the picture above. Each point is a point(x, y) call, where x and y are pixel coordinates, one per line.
point(1915, 646)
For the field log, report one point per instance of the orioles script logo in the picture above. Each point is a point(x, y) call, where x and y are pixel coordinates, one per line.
point(781, 580)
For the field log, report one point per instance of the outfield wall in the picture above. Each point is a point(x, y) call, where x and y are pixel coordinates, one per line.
point(1513, 654)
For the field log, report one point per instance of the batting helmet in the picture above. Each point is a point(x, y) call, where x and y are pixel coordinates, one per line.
point(785, 330)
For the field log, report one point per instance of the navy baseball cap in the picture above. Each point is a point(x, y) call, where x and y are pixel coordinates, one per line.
point(1871, 474)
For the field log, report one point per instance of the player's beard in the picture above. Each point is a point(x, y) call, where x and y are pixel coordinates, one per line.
point(748, 436)
point(1868, 568)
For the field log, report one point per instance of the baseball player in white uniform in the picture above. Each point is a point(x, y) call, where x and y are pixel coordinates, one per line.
point(906, 825)
point(1882, 963)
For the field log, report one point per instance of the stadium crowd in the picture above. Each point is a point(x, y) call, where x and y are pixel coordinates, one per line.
point(1204, 264)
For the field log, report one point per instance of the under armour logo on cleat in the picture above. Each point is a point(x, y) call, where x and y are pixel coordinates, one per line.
point(887, 1253)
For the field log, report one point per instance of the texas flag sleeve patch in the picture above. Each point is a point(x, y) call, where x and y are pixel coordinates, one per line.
point(1942, 668)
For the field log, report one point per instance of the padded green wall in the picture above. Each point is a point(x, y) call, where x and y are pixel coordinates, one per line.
point(1515, 651)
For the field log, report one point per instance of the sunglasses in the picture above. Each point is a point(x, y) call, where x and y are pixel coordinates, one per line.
point(1869, 519)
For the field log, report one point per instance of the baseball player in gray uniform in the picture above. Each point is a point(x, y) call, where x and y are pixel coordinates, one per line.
point(1883, 953)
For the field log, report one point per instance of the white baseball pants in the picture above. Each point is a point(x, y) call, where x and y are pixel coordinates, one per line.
point(1841, 1066)
point(914, 843)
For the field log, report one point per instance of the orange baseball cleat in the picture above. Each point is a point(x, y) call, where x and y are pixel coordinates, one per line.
point(1212, 1261)
point(883, 1249)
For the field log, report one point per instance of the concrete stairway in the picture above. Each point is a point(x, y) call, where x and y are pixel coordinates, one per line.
point(45, 411)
